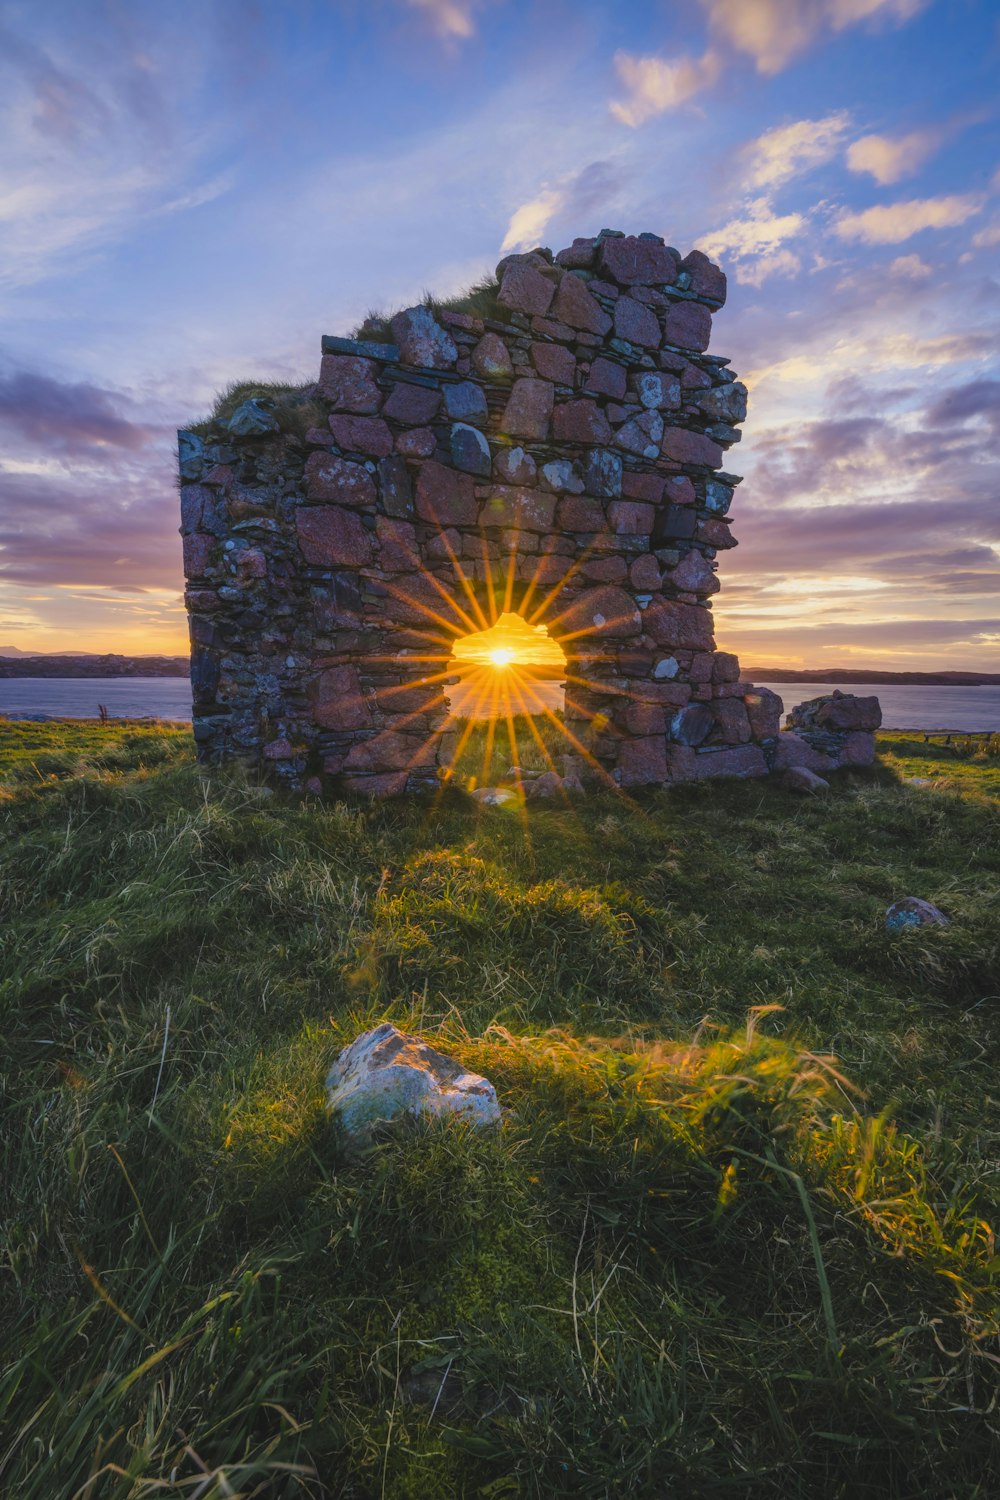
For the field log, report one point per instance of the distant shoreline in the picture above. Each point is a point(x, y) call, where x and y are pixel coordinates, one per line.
point(870, 676)
point(80, 665)
point(112, 665)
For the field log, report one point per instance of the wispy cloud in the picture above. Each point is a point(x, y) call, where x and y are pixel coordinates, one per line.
point(573, 202)
point(654, 84)
point(452, 19)
point(785, 151)
point(754, 243)
point(891, 223)
point(887, 159)
point(773, 32)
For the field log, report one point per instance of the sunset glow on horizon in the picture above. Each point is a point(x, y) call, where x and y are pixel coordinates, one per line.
point(842, 163)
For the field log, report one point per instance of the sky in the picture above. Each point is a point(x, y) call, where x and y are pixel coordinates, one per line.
point(194, 193)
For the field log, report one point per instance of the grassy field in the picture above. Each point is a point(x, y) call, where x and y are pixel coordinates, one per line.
point(733, 1238)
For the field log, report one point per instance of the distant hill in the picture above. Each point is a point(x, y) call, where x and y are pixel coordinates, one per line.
point(872, 675)
point(80, 664)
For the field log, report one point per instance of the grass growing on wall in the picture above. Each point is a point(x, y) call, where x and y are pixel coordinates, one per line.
point(733, 1237)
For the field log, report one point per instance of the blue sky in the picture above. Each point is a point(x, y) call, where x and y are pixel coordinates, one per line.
point(194, 193)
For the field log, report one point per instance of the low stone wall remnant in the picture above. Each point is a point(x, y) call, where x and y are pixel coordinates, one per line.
point(572, 445)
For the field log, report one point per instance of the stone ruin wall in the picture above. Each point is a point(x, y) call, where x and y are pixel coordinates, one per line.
point(576, 439)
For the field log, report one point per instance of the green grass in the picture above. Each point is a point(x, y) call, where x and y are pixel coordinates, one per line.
point(478, 300)
point(732, 1239)
point(295, 408)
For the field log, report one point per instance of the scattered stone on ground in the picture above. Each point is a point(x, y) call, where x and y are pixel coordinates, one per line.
point(493, 796)
point(801, 779)
point(913, 911)
point(385, 1074)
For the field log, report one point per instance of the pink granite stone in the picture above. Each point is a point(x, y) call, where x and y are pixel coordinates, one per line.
point(529, 510)
point(643, 486)
point(491, 360)
point(601, 613)
point(575, 306)
point(331, 537)
point(198, 550)
point(687, 447)
point(726, 668)
point(707, 280)
point(642, 762)
point(687, 325)
point(348, 383)
point(605, 569)
point(328, 477)
point(858, 749)
point(606, 378)
point(418, 443)
point(694, 574)
point(636, 323)
point(645, 718)
point(679, 490)
point(671, 623)
point(741, 761)
point(631, 261)
point(577, 513)
point(412, 405)
point(529, 409)
point(524, 289)
point(422, 341)
point(580, 422)
point(644, 574)
point(731, 719)
point(337, 700)
point(397, 541)
point(763, 708)
point(362, 435)
point(554, 362)
point(390, 751)
point(631, 517)
point(445, 496)
point(715, 533)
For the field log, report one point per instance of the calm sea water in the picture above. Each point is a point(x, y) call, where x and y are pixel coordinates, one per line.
point(79, 697)
point(170, 698)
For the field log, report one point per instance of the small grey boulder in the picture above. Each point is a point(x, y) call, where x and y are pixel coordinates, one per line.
point(385, 1074)
point(801, 779)
point(252, 417)
point(912, 911)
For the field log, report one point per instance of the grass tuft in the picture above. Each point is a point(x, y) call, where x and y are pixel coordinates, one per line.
point(734, 1236)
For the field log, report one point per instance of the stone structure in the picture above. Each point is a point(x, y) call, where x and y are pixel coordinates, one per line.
point(572, 443)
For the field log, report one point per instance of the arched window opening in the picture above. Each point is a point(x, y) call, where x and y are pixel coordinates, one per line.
point(511, 668)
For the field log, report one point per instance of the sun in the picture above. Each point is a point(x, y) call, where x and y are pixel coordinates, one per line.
point(501, 656)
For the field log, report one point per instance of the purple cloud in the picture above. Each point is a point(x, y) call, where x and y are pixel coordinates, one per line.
point(72, 419)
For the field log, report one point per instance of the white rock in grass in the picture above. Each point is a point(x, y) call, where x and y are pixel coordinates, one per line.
point(385, 1074)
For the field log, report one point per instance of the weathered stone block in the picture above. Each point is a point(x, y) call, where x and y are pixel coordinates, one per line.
point(362, 434)
point(523, 289)
point(337, 700)
point(686, 447)
point(688, 325)
point(529, 409)
point(349, 384)
point(412, 405)
point(636, 323)
point(491, 358)
point(328, 477)
point(422, 341)
point(333, 538)
point(631, 261)
point(575, 306)
point(580, 422)
point(444, 496)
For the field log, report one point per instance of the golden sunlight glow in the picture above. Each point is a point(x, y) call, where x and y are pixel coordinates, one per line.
point(510, 668)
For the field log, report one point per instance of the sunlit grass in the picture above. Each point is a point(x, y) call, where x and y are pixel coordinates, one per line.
point(717, 1247)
